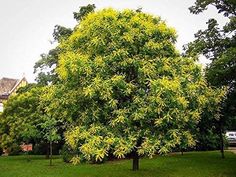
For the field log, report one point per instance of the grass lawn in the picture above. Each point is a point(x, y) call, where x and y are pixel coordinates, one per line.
point(192, 164)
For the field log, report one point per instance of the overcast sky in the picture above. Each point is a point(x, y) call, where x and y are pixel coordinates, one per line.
point(26, 26)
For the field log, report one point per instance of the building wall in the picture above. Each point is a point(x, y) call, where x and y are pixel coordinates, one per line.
point(1, 107)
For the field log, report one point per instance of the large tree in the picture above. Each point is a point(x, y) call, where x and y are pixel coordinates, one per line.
point(130, 91)
point(219, 45)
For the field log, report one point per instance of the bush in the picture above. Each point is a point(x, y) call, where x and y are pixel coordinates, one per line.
point(15, 149)
point(207, 141)
point(39, 149)
point(1, 151)
point(43, 149)
point(66, 153)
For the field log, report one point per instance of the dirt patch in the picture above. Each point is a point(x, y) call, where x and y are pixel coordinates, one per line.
point(232, 149)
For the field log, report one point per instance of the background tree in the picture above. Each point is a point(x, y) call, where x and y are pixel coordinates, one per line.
point(207, 129)
point(29, 134)
point(134, 94)
point(45, 66)
point(219, 45)
point(50, 133)
point(84, 11)
point(24, 117)
point(20, 112)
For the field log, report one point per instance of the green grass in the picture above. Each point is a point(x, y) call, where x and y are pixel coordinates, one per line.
point(192, 164)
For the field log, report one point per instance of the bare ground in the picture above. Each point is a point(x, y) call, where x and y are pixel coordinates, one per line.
point(232, 149)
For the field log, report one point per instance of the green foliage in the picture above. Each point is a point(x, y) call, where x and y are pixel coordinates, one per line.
point(129, 87)
point(61, 33)
point(67, 153)
point(84, 11)
point(14, 149)
point(207, 139)
point(219, 45)
point(26, 88)
point(50, 132)
point(207, 131)
point(26, 118)
point(49, 129)
point(45, 66)
point(227, 7)
point(30, 132)
point(224, 68)
point(20, 117)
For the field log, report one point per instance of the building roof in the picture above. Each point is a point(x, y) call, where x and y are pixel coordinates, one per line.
point(6, 85)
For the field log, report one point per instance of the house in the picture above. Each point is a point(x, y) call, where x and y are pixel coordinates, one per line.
point(9, 87)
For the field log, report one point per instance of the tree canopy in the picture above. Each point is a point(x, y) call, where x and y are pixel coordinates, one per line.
point(219, 45)
point(133, 92)
point(45, 66)
point(27, 117)
point(20, 115)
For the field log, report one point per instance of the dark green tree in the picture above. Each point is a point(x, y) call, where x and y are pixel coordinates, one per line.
point(50, 133)
point(219, 45)
point(45, 66)
point(84, 11)
point(29, 134)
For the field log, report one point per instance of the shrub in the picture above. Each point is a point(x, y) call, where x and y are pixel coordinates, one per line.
point(15, 149)
point(66, 153)
point(1, 151)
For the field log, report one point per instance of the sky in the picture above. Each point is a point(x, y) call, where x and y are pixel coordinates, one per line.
point(26, 26)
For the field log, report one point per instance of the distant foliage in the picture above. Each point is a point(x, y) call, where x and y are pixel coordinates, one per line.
point(219, 45)
point(45, 66)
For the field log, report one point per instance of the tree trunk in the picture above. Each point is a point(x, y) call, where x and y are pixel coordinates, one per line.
point(50, 153)
point(47, 150)
point(221, 142)
point(182, 152)
point(135, 161)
